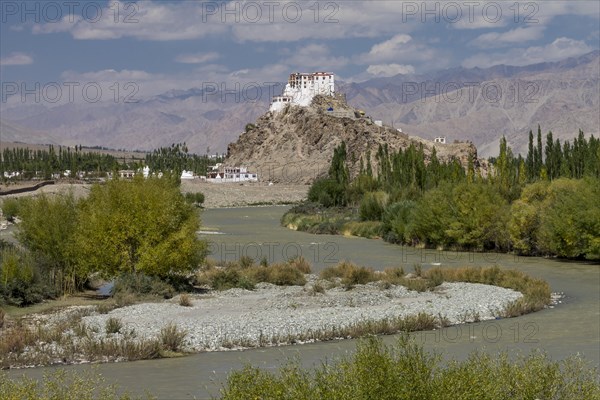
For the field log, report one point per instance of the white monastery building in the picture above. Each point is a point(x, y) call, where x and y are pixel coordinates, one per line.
point(302, 87)
point(230, 174)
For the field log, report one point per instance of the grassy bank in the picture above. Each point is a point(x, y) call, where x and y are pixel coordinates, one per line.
point(403, 370)
point(312, 218)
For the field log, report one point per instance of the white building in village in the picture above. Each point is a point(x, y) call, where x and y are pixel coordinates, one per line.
point(230, 174)
point(302, 87)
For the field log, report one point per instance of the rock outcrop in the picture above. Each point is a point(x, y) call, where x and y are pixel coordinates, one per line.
point(296, 145)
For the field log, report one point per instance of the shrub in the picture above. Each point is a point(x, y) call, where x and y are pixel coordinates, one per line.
point(60, 385)
point(10, 208)
point(349, 273)
point(435, 276)
point(264, 261)
point(228, 278)
point(113, 325)
point(327, 192)
point(406, 370)
point(396, 219)
point(418, 285)
point(418, 268)
point(246, 262)
point(172, 338)
point(140, 283)
point(372, 206)
point(185, 300)
point(317, 288)
point(394, 275)
point(196, 199)
point(300, 264)
point(22, 281)
point(286, 275)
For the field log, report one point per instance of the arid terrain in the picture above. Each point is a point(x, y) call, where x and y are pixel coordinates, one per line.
point(216, 194)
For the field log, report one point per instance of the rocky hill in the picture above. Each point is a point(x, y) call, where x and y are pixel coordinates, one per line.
point(296, 145)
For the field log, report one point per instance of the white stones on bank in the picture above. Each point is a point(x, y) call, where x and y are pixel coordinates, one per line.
point(272, 315)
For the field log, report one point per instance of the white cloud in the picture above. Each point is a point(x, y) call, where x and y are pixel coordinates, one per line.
point(147, 20)
point(16, 59)
point(278, 21)
point(500, 39)
point(390, 69)
point(144, 84)
point(390, 48)
point(496, 14)
point(198, 58)
point(557, 50)
point(403, 48)
point(315, 56)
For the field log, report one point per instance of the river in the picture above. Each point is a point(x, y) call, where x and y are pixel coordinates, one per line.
point(572, 327)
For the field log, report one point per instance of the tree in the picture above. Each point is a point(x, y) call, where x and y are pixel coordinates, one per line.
point(144, 225)
point(47, 230)
point(570, 222)
point(539, 162)
point(530, 161)
point(479, 217)
point(338, 171)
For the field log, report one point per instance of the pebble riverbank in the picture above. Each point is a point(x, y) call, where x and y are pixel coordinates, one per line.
point(272, 315)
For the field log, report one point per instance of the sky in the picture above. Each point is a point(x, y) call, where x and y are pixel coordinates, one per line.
point(70, 48)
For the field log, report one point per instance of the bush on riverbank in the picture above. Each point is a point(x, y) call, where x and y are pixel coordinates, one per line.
point(61, 385)
point(245, 274)
point(22, 278)
point(406, 371)
point(349, 274)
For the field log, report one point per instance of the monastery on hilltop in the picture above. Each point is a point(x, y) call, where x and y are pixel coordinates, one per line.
point(302, 87)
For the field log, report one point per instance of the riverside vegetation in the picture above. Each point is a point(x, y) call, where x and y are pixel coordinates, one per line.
point(401, 371)
point(546, 204)
point(406, 371)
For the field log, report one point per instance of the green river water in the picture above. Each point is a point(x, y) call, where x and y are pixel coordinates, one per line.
point(572, 327)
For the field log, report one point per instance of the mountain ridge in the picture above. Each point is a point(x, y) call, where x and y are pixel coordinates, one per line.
point(567, 100)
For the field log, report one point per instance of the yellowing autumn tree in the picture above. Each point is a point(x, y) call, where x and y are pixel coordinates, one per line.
point(142, 225)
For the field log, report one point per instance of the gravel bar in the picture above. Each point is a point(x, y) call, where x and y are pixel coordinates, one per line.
point(272, 315)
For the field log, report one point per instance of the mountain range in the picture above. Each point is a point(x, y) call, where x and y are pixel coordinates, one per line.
point(464, 104)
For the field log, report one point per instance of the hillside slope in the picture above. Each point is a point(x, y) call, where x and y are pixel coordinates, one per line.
point(296, 145)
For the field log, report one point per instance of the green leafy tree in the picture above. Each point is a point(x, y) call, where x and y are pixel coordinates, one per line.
point(144, 225)
point(47, 230)
point(570, 221)
point(338, 170)
point(479, 217)
point(524, 222)
point(431, 217)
